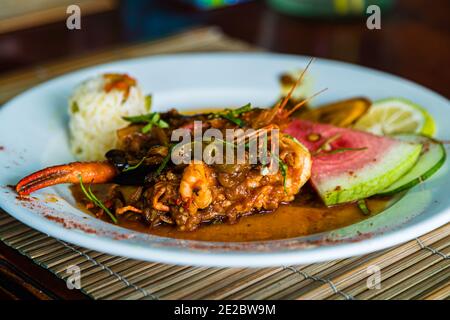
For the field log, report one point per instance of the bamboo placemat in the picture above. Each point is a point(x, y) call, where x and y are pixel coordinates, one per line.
point(418, 269)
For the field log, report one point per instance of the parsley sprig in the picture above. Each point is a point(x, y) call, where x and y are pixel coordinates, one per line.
point(151, 119)
point(91, 196)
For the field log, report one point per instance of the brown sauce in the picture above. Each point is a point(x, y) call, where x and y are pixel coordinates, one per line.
point(306, 215)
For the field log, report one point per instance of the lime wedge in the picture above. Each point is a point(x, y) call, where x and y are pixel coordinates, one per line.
point(396, 116)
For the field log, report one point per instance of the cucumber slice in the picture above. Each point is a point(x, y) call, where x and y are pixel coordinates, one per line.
point(432, 158)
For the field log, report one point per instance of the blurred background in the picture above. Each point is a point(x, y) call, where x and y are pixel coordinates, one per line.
point(413, 41)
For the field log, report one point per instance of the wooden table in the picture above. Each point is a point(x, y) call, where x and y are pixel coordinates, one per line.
point(413, 43)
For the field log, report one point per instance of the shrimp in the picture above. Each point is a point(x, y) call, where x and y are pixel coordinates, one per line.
point(298, 160)
point(195, 186)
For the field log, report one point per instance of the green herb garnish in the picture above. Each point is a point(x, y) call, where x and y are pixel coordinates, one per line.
point(91, 196)
point(163, 164)
point(135, 166)
point(284, 171)
point(345, 150)
point(326, 146)
point(236, 121)
point(362, 205)
point(152, 119)
point(148, 102)
point(233, 114)
point(75, 108)
point(293, 139)
point(240, 110)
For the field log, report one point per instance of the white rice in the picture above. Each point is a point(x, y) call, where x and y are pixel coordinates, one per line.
point(95, 115)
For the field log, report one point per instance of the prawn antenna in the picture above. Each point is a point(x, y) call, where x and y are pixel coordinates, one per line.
point(301, 103)
point(299, 80)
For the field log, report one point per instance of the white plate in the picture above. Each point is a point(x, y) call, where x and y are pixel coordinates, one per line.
point(33, 134)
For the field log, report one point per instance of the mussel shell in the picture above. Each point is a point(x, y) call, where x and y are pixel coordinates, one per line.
point(118, 159)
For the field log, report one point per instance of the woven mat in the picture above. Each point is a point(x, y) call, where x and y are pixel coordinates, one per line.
point(418, 269)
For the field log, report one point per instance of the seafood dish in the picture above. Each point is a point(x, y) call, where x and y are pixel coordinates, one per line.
point(239, 174)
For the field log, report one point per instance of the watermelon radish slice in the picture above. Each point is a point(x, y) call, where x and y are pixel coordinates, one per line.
point(350, 165)
point(431, 159)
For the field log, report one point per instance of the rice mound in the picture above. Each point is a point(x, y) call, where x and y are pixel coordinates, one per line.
point(96, 115)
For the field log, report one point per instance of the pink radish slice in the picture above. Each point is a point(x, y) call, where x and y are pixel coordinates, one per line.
point(355, 164)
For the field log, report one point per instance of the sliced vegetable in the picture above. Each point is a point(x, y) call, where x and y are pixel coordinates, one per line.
point(374, 163)
point(396, 116)
point(432, 158)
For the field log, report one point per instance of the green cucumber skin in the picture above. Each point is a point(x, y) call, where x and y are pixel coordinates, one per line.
point(331, 198)
point(420, 179)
